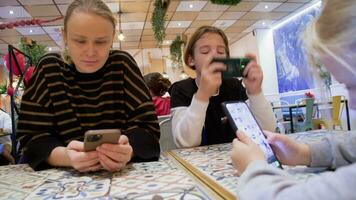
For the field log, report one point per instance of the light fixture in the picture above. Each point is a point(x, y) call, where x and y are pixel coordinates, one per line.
point(179, 24)
point(304, 10)
point(183, 75)
point(190, 5)
point(266, 6)
point(11, 12)
point(263, 23)
point(31, 30)
point(121, 36)
point(49, 49)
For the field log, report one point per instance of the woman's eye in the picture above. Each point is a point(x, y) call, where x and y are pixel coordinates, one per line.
point(80, 41)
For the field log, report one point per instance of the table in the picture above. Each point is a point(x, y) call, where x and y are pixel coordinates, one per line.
point(193, 173)
point(294, 106)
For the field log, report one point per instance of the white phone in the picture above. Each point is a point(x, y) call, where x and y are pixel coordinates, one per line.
point(241, 118)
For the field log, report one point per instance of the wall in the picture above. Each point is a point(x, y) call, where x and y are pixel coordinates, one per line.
point(260, 44)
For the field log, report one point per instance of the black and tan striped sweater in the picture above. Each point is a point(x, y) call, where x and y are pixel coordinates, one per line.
point(61, 103)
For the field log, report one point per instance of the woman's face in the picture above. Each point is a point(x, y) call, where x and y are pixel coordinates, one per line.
point(208, 46)
point(89, 38)
point(340, 66)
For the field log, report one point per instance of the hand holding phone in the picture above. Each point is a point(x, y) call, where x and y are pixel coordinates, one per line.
point(234, 66)
point(94, 138)
point(241, 118)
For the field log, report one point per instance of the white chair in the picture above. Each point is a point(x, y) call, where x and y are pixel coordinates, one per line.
point(166, 141)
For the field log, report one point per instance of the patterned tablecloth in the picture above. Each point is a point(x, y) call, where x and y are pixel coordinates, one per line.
point(151, 180)
point(213, 163)
point(166, 179)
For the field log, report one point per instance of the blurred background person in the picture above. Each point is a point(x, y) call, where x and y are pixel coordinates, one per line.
point(158, 86)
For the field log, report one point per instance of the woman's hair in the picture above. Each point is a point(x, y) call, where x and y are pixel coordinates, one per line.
point(97, 7)
point(189, 51)
point(335, 27)
point(157, 84)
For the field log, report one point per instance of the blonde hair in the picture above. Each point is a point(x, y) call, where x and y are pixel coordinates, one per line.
point(335, 27)
point(189, 51)
point(97, 7)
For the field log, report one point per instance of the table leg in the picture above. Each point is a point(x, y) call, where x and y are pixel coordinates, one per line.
point(291, 120)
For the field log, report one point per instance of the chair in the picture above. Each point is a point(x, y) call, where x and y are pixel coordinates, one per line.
point(306, 124)
point(281, 126)
point(337, 108)
point(166, 141)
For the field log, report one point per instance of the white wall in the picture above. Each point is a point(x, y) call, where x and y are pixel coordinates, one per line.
point(262, 46)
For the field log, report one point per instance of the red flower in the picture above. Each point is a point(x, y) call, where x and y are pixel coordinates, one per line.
point(309, 95)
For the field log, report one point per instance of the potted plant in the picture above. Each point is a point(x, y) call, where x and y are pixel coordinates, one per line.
point(158, 20)
point(176, 52)
point(32, 49)
point(226, 2)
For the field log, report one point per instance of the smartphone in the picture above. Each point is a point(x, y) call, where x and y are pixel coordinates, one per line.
point(241, 118)
point(234, 66)
point(94, 138)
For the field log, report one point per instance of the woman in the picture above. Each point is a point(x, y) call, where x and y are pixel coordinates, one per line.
point(332, 36)
point(158, 86)
point(198, 118)
point(89, 88)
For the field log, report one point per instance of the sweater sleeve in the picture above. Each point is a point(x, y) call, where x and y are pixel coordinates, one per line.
point(333, 151)
point(188, 122)
point(36, 128)
point(142, 127)
point(263, 112)
point(273, 183)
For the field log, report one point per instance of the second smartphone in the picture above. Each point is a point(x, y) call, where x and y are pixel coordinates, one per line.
point(241, 118)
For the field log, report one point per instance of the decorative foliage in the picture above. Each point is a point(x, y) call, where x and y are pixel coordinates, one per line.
point(226, 2)
point(3, 89)
point(32, 49)
point(159, 20)
point(324, 75)
point(28, 22)
point(176, 52)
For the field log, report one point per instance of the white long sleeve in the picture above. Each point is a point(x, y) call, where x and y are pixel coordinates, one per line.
point(188, 122)
point(263, 112)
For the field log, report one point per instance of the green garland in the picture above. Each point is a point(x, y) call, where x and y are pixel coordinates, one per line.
point(158, 20)
point(34, 50)
point(176, 52)
point(226, 2)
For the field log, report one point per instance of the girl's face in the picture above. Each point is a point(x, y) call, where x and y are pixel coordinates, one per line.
point(89, 38)
point(208, 46)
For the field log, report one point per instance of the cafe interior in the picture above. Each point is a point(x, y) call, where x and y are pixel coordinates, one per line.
point(303, 100)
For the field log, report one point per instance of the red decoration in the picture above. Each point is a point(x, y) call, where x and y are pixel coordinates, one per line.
point(29, 22)
point(20, 60)
point(28, 75)
point(10, 90)
point(309, 95)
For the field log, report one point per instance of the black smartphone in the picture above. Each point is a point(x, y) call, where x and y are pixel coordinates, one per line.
point(234, 66)
point(94, 138)
point(241, 118)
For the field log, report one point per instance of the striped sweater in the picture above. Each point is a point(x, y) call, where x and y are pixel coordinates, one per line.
point(61, 103)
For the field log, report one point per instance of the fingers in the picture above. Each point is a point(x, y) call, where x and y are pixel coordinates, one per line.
point(88, 165)
point(109, 165)
point(76, 145)
point(93, 168)
point(243, 137)
point(250, 56)
point(123, 139)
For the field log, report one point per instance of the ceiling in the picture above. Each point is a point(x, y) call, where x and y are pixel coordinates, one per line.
point(183, 17)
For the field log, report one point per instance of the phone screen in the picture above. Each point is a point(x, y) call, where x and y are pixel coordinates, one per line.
point(243, 119)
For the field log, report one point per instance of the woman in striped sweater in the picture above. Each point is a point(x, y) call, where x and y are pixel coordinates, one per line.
point(89, 87)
